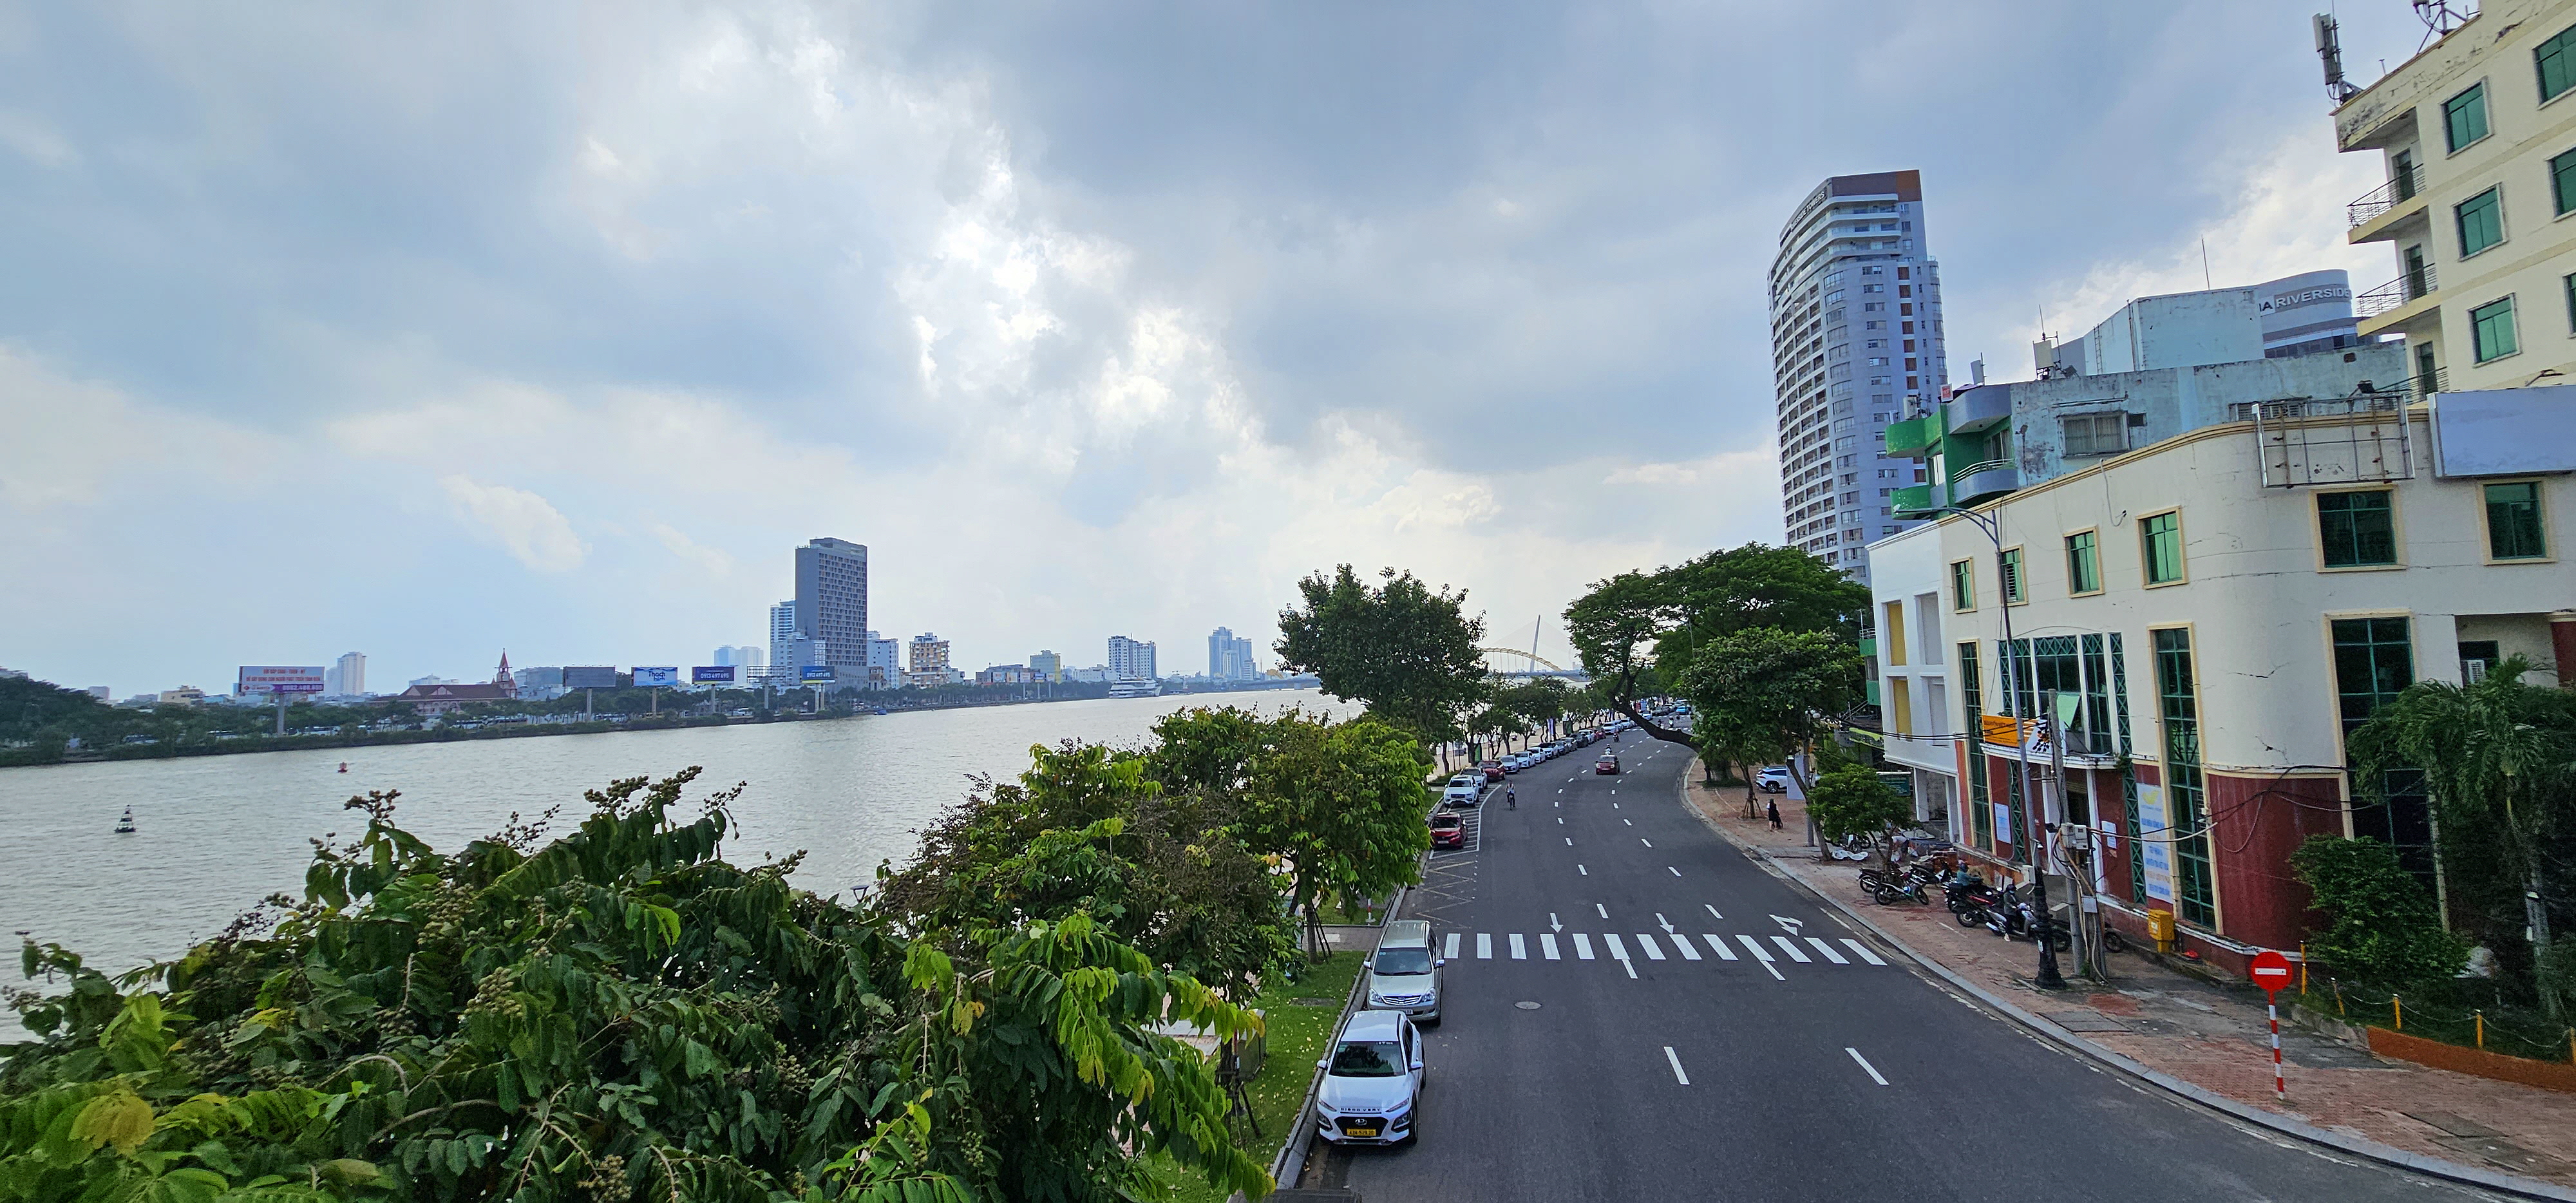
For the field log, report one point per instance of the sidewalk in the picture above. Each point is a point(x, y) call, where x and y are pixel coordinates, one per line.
point(2210, 1036)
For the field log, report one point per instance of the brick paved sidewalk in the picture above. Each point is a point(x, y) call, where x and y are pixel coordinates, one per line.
point(2212, 1036)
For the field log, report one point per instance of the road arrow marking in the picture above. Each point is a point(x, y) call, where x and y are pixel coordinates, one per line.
point(1663, 923)
point(1552, 924)
point(1789, 925)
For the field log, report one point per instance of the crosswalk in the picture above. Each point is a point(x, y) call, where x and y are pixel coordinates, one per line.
point(1750, 951)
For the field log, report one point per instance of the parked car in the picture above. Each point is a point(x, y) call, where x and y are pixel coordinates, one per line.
point(1465, 789)
point(1372, 1080)
point(1448, 830)
point(1608, 764)
point(1493, 769)
point(1514, 764)
point(1773, 780)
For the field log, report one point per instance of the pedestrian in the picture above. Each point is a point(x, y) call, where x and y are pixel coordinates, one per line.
point(1773, 810)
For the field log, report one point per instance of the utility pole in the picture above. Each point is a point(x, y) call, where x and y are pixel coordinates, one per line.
point(2075, 874)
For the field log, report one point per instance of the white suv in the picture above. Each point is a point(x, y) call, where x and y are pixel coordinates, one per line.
point(1371, 1081)
point(1465, 789)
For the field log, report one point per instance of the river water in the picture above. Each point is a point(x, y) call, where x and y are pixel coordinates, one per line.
point(218, 833)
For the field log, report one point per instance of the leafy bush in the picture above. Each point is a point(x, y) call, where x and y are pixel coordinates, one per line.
point(617, 1014)
point(2381, 924)
point(1850, 800)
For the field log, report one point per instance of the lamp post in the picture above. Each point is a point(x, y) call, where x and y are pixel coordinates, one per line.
point(1992, 526)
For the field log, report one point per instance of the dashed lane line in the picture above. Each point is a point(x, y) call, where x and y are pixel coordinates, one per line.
point(1866, 1067)
point(1684, 1079)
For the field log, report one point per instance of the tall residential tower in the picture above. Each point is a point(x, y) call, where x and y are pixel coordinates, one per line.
point(832, 602)
point(1855, 344)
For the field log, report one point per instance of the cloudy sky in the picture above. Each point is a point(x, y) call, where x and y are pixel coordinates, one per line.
point(432, 330)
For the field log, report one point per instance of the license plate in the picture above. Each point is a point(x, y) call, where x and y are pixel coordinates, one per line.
point(1359, 1131)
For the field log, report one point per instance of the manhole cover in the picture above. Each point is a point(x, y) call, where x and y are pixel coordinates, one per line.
point(1311, 1002)
point(1526, 1006)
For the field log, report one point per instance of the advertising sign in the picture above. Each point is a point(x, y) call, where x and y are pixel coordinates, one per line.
point(590, 677)
point(711, 674)
point(814, 672)
point(668, 676)
point(2153, 848)
point(275, 678)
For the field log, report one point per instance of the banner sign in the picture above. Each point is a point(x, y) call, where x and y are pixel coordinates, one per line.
point(814, 672)
point(590, 677)
point(657, 677)
point(711, 674)
point(2153, 846)
point(275, 678)
point(1998, 731)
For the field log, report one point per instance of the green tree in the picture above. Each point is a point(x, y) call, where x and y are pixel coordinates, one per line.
point(617, 1013)
point(2381, 925)
point(1851, 800)
point(1342, 806)
point(1764, 693)
point(2499, 759)
point(1406, 651)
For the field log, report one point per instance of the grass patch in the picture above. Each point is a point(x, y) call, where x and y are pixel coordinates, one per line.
point(1297, 1038)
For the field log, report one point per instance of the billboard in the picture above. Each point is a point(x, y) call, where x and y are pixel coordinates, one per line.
point(814, 672)
point(600, 676)
point(657, 677)
point(276, 678)
point(711, 674)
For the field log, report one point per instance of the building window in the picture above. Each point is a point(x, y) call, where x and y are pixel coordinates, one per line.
point(2095, 434)
point(2569, 283)
point(2083, 564)
point(2464, 117)
point(1891, 634)
point(2014, 591)
point(1981, 802)
point(2556, 60)
point(1963, 585)
point(2481, 221)
point(2513, 522)
point(2195, 898)
point(2491, 332)
point(2562, 181)
point(2374, 661)
point(2358, 529)
point(2160, 547)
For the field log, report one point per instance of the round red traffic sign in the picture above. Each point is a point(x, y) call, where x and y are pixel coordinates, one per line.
point(2271, 970)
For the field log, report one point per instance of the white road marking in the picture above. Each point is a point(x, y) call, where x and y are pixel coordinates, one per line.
point(1450, 950)
point(1484, 946)
point(1712, 910)
point(1864, 1064)
point(1569, 841)
point(1865, 954)
point(1684, 1078)
point(1828, 950)
point(1582, 947)
point(1614, 806)
point(1547, 946)
point(1647, 842)
point(1682, 945)
point(1560, 820)
point(1618, 951)
point(1673, 871)
point(1581, 870)
point(1646, 944)
point(1629, 822)
point(1630, 966)
point(1792, 950)
point(1717, 944)
point(1759, 953)
point(1605, 911)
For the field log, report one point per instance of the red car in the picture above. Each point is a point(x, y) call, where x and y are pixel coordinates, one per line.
point(1606, 765)
point(1448, 831)
point(1493, 770)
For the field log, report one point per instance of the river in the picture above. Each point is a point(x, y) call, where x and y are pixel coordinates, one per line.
point(218, 833)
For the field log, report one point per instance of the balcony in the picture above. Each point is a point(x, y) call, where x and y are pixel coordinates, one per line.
point(1982, 482)
point(2380, 210)
point(2422, 386)
point(2417, 284)
point(1916, 501)
point(1914, 438)
point(1976, 409)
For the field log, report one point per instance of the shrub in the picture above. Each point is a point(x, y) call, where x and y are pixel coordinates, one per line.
point(2381, 924)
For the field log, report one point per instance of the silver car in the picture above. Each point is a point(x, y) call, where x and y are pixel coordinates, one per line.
point(1404, 975)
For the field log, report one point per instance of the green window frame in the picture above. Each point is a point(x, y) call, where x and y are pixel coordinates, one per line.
point(2358, 528)
point(2491, 330)
point(1981, 799)
point(2464, 117)
point(2569, 284)
point(2186, 809)
point(2562, 182)
point(2514, 530)
point(2374, 661)
point(2016, 582)
point(2083, 563)
point(1963, 586)
point(2481, 221)
point(2555, 62)
point(2160, 547)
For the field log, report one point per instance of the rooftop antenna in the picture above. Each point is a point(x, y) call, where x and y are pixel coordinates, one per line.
point(2204, 263)
point(2330, 52)
point(2437, 16)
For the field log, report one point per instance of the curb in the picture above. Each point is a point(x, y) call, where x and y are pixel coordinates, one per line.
point(2436, 1167)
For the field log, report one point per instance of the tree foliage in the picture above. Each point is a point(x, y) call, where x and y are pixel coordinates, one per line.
point(1851, 800)
point(1763, 693)
point(2381, 925)
point(616, 1014)
point(1408, 652)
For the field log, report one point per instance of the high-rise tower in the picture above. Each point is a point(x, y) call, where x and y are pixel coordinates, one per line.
point(832, 602)
point(1855, 345)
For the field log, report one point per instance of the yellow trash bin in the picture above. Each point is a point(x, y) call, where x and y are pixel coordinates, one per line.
point(2160, 927)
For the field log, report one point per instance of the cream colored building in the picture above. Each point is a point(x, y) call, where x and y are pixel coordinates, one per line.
point(2478, 133)
point(2221, 608)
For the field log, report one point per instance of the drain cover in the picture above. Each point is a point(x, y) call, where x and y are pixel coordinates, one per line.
point(1526, 1006)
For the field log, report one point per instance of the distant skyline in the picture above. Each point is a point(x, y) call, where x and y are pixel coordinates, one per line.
point(428, 332)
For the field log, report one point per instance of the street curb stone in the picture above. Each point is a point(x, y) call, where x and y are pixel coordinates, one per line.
point(2497, 1180)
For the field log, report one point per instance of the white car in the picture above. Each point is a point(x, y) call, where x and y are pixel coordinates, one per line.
point(1773, 780)
point(1465, 789)
point(1371, 1081)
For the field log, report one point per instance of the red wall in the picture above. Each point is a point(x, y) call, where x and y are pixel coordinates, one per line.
point(2110, 803)
point(2256, 823)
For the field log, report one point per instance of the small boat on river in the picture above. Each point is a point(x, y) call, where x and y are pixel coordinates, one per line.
point(125, 826)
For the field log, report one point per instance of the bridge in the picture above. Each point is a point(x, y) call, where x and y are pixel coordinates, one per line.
point(1575, 675)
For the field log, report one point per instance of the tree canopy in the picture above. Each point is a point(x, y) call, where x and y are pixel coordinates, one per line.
point(1407, 651)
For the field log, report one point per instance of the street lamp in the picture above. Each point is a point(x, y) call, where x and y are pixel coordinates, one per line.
point(1992, 525)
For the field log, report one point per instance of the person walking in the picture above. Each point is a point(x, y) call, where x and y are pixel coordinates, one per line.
point(1772, 809)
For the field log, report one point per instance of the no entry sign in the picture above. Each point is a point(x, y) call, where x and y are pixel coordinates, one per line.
point(2271, 970)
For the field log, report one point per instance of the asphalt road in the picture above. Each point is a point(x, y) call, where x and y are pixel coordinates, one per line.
point(1805, 1079)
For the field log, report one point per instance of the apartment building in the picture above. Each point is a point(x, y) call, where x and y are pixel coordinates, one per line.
point(2478, 136)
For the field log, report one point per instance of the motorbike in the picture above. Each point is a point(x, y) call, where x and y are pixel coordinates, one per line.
point(2013, 919)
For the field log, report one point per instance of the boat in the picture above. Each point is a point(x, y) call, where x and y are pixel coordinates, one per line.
point(125, 826)
point(344, 766)
point(1136, 689)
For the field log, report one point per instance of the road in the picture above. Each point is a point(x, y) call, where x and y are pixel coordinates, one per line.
point(1790, 1065)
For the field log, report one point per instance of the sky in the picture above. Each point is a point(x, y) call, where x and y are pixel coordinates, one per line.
point(429, 331)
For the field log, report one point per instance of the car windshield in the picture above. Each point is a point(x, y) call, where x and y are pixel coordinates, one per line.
point(1367, 1059)
point(1404, 960)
